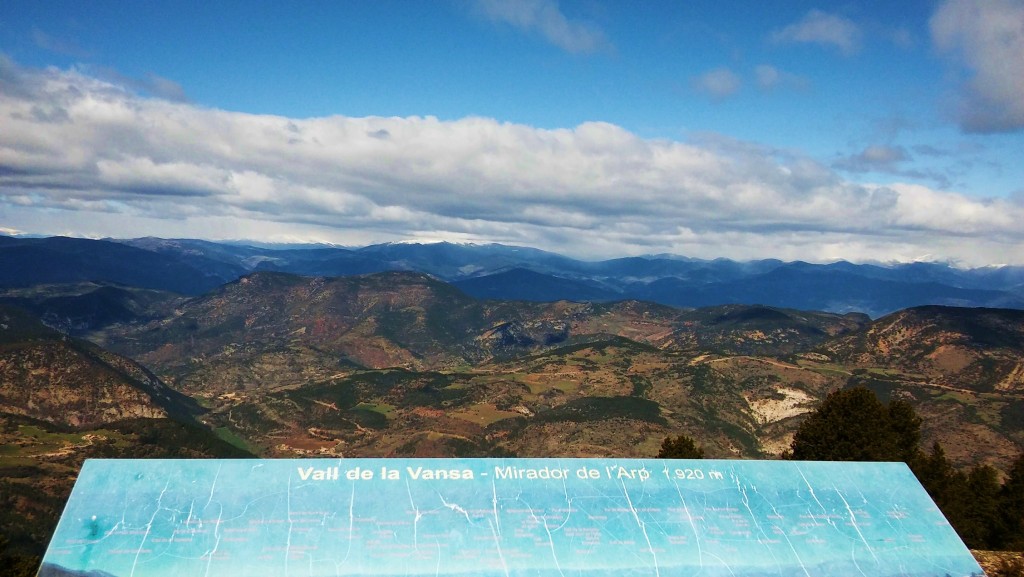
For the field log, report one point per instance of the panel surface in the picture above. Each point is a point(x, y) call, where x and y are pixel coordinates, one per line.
point(550, 517)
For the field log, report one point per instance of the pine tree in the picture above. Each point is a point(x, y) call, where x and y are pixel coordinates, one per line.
point(972, 502)
point(682, 447)
point(980, 525)
point(1011, 504)
point(934, 471)
point(853, 425)
point(906, 429)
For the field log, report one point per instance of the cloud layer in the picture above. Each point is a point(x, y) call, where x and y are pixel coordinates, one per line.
point(988, 38)
point(546, 18)
point(718, 84)
point(86, 156)
point(817, 27)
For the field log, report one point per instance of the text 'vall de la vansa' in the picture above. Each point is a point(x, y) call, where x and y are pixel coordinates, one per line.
point(337, 473)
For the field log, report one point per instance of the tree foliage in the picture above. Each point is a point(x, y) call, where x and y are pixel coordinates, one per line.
point(16, 564)
point(681, 447)
point(853, 425)
point(984, 514)
point(1011, 499)
point(905, 425)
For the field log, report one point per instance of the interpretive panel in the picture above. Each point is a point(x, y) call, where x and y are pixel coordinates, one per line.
point(546, 517)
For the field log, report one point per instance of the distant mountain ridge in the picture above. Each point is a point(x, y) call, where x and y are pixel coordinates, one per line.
point(494, 271)
point(31, 261)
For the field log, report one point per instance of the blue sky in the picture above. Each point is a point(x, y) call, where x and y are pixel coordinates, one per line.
point(861, 130)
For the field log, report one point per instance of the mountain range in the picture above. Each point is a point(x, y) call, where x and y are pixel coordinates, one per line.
point(492, 271)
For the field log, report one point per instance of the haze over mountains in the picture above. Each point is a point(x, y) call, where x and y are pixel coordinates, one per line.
point(495, 271)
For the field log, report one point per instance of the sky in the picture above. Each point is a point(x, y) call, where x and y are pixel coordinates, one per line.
point(867, 131)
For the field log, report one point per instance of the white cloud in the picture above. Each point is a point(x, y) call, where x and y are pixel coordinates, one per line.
point(768, 77)
point(988, 37)
point(895, 161)
point(818, 27)
point(771, 78)
point(922, 208)
point(718, 84)
point(874, 158)
point(122, 165)
point(163, 88)
point(62, 46)
point(546, 18)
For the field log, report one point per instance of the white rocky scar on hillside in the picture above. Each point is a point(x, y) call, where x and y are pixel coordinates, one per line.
point(793, 402)
point(785, 403)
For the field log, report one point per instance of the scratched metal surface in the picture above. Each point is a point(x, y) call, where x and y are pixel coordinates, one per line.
point(544, 517)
